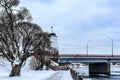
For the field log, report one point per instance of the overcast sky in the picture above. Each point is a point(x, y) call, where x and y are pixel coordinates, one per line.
point(77, 21)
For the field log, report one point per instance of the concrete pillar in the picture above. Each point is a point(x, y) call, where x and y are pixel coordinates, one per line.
point(99, 68)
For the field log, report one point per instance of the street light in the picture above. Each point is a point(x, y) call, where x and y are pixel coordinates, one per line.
point(88, 46)
point(111, 45)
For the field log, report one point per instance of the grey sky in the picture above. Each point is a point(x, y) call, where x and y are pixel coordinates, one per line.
point(77, 21)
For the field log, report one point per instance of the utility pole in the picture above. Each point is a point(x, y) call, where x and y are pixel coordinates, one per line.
point(111, 45)
point(87, 46)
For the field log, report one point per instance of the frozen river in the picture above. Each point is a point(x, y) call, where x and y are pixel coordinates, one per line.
point(115, 74)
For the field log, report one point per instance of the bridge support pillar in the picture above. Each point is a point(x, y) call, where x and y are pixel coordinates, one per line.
point(99, 68)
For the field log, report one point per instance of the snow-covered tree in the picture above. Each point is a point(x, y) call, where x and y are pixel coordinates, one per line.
point(19, 37)
point(35, 64)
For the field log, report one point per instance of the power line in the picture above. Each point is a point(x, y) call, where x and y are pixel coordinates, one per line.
point(70, 45)
point(73, 45)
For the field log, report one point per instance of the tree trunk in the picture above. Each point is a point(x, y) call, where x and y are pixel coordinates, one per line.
point(41, 66)
point(15, 70)
point(47, 65)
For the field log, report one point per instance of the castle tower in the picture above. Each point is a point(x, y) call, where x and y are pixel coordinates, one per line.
point(53, 39)
point(54, 45)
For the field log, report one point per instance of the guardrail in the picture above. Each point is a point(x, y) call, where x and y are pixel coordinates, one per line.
point(75, 75)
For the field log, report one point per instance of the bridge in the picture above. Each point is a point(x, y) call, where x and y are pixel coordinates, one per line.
point(79, 58)
point(98, 64)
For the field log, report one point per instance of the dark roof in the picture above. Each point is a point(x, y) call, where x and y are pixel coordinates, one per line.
point(53, 34)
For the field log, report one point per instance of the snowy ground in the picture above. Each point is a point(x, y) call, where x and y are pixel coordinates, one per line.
point(61, 75)
point(28, 74)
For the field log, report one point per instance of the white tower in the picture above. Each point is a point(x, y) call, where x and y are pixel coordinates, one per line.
point(53, 39)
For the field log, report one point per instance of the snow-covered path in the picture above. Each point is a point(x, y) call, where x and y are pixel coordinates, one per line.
point(56, 76)
point(66, 75)
point(61, 75)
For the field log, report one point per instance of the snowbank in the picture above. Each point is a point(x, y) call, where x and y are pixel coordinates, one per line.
point(26, 73)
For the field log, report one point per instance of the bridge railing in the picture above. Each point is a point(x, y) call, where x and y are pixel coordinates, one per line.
point(83, 55)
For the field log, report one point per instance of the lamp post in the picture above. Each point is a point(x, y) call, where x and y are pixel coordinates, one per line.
point(87, 46)
point(111, 45)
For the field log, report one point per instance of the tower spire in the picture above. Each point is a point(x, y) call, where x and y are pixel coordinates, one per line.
point(51, 29)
